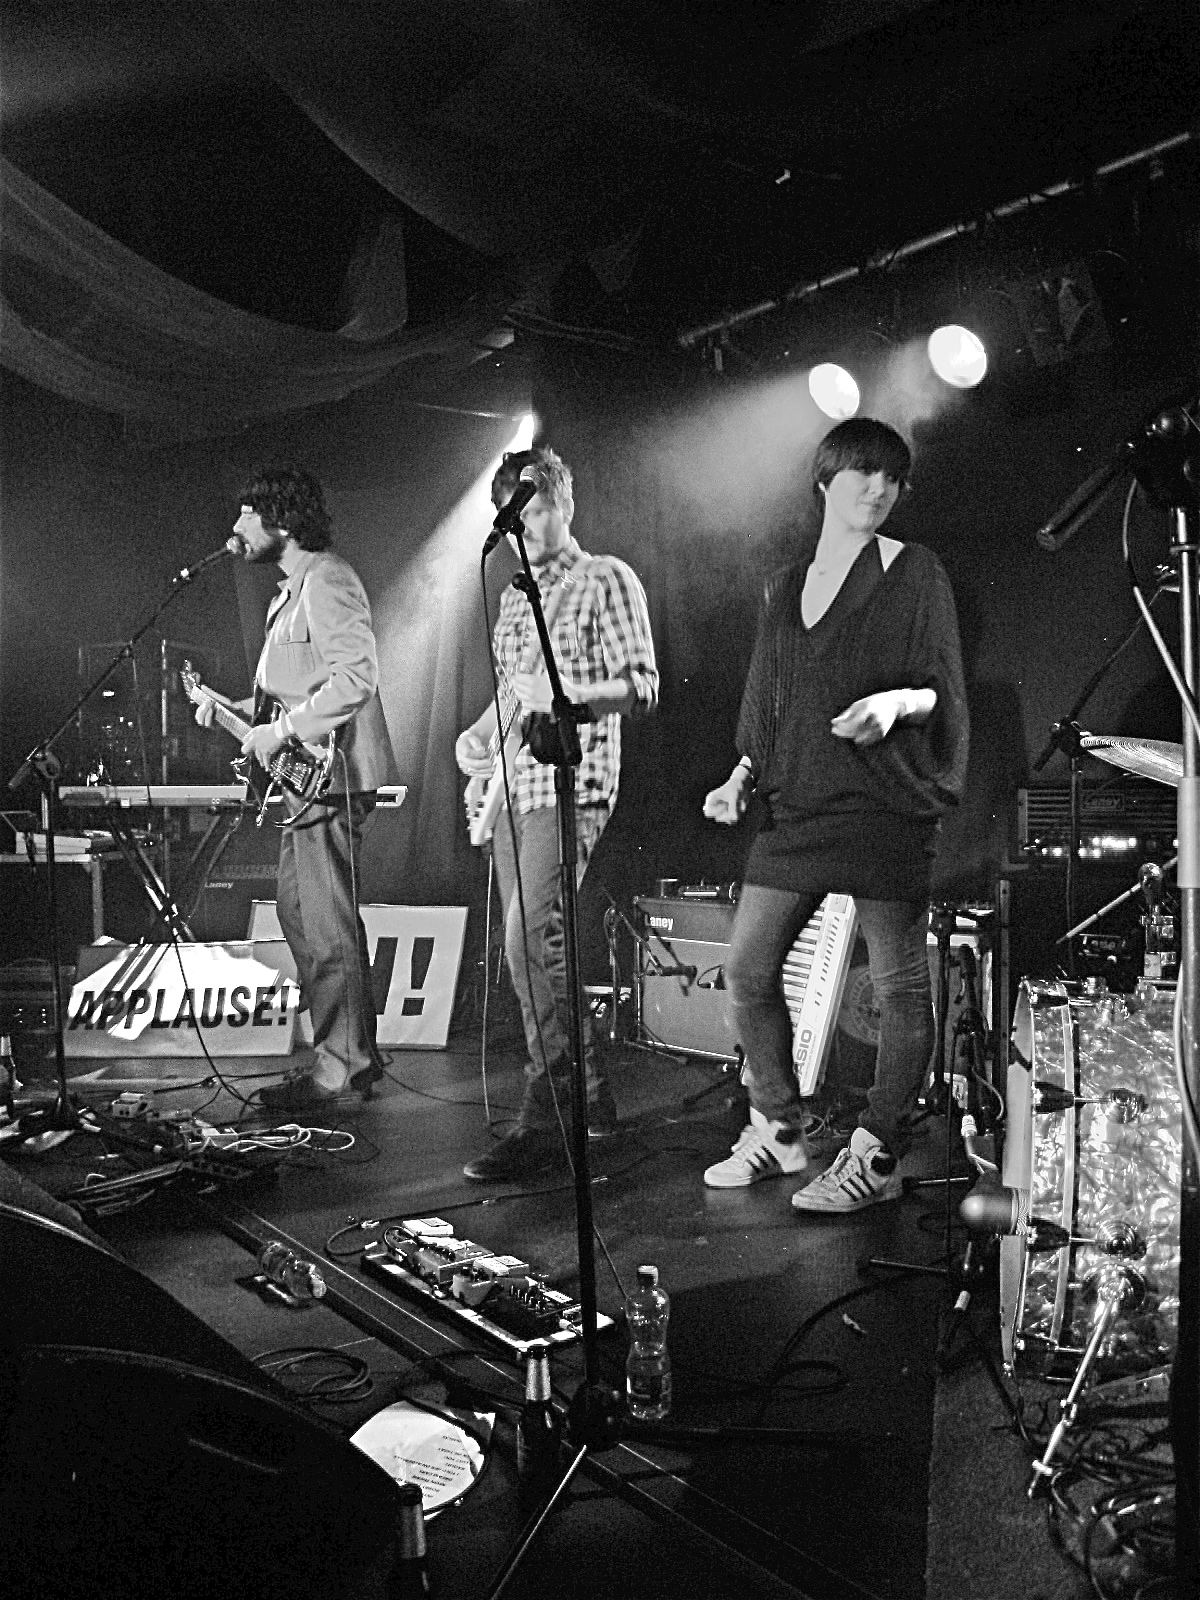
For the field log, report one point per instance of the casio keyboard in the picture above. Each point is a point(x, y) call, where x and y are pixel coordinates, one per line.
point(682, 1002)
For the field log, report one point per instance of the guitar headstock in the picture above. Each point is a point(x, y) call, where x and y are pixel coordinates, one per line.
point(190, 679)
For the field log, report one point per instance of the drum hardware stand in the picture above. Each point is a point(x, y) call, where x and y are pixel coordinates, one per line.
point(1116, 1289)
point(1166, 464)
point(595, 1413)
point(43, 764)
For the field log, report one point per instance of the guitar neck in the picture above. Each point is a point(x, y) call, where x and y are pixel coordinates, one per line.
point(229, 720)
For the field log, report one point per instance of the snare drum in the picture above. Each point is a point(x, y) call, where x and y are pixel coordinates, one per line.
point(1105, 1169)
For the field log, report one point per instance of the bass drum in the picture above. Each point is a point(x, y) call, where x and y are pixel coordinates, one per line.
point(1105, 1169)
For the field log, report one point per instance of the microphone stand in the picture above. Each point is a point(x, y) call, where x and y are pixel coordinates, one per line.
point(43, 765)
point(595, 1415)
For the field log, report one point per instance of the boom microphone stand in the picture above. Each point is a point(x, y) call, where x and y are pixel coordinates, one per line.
point(43, 764)
point(594, 1417)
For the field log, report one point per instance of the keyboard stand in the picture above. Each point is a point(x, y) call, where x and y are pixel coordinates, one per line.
point(151, 880)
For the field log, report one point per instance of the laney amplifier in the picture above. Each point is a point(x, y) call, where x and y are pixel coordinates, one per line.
point(681, 976)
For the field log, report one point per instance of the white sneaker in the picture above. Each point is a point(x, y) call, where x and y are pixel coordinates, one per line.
point(763, 1150)
point(855, 1179)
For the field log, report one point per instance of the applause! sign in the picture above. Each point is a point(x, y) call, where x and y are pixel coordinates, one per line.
point(160, 1000)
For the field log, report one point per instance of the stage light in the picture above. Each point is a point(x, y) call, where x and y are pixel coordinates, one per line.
point(957, 356)
point(834, 390)
point(523, 438)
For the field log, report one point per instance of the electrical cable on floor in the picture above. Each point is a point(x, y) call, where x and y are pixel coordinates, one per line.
point(334, 1387)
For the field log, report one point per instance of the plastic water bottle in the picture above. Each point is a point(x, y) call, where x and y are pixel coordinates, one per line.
point(291, 1272)
point(648, 1365)
point(539, 1428)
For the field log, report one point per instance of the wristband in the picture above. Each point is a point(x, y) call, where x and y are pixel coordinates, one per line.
point(283, 726)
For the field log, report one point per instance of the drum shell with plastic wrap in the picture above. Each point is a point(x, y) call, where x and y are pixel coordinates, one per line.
point(1105, 1169)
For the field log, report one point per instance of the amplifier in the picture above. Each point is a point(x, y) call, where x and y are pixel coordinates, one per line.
point(246, 870)
point(686, 1010)
point(1123, 819)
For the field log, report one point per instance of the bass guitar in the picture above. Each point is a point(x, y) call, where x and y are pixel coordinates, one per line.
point(305, 771)
point(484, 797)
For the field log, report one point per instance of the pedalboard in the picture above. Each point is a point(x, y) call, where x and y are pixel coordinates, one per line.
point(497, 1295)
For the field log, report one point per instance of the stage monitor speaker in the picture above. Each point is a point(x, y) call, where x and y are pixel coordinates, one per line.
point(124, 1475)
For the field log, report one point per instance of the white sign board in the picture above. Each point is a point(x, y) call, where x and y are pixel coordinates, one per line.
point(162, 999)
point(416, 952)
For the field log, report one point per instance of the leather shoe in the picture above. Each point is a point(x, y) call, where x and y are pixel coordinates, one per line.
point(602, 1114)
point(300, 1093)
point(365, 1078)
point(523, 1154)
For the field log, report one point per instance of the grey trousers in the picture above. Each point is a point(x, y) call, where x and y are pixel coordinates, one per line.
point(318, 912)
point(533, 945)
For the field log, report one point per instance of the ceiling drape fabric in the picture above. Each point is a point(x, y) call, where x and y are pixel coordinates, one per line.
point(89, 319)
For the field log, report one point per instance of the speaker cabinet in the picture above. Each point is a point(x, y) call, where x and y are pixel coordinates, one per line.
point(246, 870)
point(685, 1007)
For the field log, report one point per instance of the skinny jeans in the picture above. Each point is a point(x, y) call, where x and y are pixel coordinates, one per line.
point(766, 925)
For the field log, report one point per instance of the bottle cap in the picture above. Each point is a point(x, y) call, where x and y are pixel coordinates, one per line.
point(648, 1275)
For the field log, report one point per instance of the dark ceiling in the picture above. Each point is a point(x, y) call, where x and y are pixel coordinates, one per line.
point(639, 166)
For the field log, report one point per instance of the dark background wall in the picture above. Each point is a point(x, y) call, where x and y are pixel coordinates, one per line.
point(700, 482)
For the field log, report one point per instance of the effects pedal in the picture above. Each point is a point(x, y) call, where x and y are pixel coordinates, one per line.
point(498, 1295)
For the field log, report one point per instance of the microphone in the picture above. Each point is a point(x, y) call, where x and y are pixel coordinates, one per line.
point(1150, 882)
point(509, 515)
point(233, 546)
point(1081, 505)
point(994, 1207)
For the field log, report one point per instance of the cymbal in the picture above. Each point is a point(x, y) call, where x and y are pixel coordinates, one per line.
point(1151, 758)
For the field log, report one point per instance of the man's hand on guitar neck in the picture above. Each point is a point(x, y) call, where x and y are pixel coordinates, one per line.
point(205, 708)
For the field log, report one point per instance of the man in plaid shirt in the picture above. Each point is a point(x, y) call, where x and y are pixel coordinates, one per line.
point(600, 632)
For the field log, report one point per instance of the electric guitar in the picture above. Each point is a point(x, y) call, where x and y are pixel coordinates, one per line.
point(484, 797)
point(304, 770)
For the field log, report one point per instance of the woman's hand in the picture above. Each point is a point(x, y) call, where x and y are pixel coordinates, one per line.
point(870, 720)
point(728, 803)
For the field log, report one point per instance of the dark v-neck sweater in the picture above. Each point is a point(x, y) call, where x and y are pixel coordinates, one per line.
point(859, 820)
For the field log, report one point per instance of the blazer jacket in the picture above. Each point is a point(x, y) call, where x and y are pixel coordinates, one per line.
point(319, 661)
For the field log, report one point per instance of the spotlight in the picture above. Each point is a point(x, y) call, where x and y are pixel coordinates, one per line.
point(957, 356)
point(834, 390)
point(523, 438)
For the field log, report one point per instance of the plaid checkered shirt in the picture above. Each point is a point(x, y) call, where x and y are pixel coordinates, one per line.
point(602, 630)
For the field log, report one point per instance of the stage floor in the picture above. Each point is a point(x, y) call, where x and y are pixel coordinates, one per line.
point(778, 1321)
